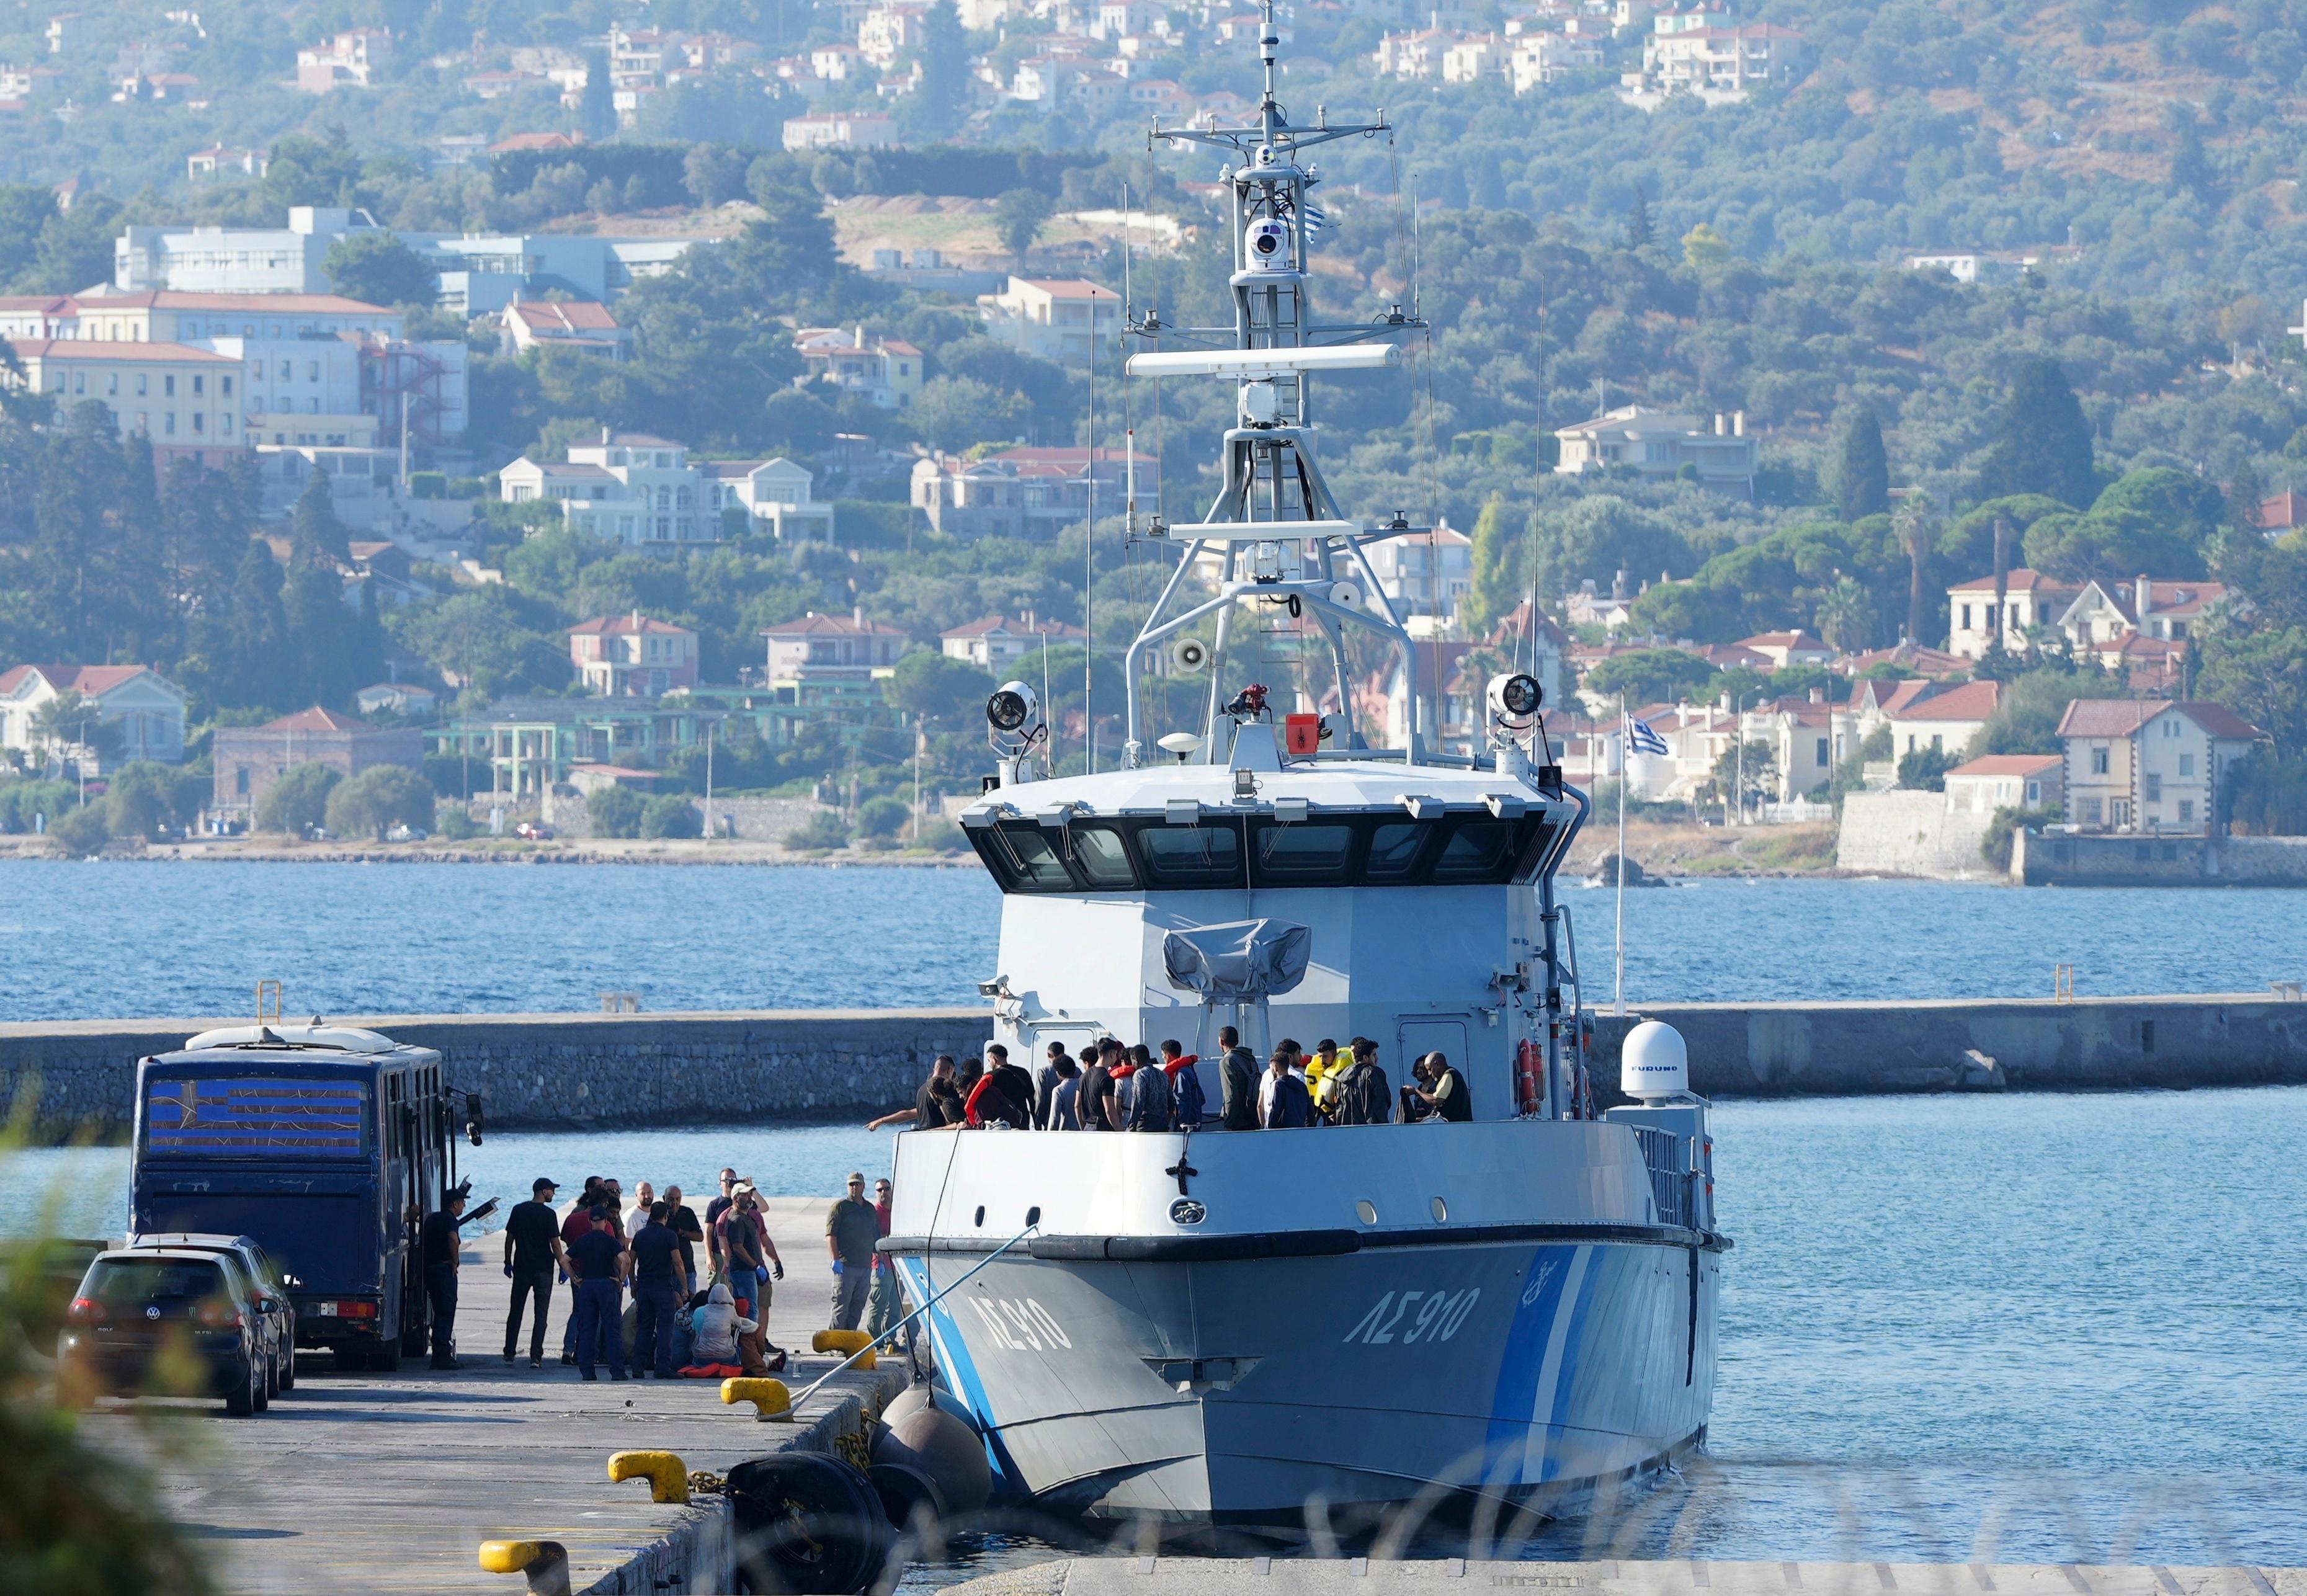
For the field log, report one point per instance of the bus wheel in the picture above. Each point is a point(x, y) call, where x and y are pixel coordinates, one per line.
point(385, 1358)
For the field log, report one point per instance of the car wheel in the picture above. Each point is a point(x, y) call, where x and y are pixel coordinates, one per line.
point(241, 1401)
point(288, 1369)
point(271, 1377)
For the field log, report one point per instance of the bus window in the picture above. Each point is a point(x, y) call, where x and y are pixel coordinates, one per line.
point(240, 1116)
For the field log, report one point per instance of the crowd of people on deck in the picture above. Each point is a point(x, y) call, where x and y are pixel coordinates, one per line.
point(653, 1285)
point(1117, 1086)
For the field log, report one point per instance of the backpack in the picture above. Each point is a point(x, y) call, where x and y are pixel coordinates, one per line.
point(1192, 1101)
point(1150, 1101)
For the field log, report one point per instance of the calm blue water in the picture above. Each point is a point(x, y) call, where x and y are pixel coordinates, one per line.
point(130, 939)
point(1954, 1328)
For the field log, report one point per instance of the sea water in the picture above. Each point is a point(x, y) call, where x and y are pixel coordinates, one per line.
point(131, 939)
point(1953, 1328)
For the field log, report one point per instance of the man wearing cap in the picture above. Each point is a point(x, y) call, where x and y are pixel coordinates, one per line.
point(851, 1230)
point(532, 1249)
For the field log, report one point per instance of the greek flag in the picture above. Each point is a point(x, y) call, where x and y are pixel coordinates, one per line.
point(1315, 220)
point(1642, 740)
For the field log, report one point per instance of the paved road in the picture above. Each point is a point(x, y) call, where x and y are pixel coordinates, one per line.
point(388, 1483)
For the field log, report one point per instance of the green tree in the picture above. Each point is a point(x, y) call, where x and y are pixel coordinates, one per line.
point(1862, 477)
point(714, 174)
point(255, 636)
point(378, 799)
point(2042, 443)
point(2266, 795)
point(76, 246)
point(1844, 615)
point(1499, 567)
point(596, 104)
point(882, 818)
point(616, 812)
point(944, 93)
point(308, 171)
point(1918, 533)
point(822, 832)
point(2026, 717)
point(72, 720)
point(143, 796)
point(313, 525)
point(1640, 231)
point(1019, 217)
point(954, 413)
point(1754, 767)
point(671, 814)
point(298, 798)
point(79, 831)
point(1924, 770)
point(1649, 676)
point(932, 686)
point(1703, 248)
point(379, 269)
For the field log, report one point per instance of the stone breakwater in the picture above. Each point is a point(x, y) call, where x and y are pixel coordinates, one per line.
point(575, 1071)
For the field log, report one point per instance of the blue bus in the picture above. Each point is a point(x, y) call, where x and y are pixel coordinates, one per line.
point(327, 1144)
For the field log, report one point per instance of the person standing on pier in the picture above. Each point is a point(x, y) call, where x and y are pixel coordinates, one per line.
point(682, 1219)
point(851, 1229)
point(713, 1210)
point(881, 1310)
point(438, 1245)
point(656, 1288)
point(532, 1248)
point(598, 1262)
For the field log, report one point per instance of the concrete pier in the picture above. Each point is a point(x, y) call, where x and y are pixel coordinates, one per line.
point(556, 1071)
point(358, 1484)
point(1360, 1576)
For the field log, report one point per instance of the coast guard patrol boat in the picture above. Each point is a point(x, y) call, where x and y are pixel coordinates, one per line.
point(1204, 1328)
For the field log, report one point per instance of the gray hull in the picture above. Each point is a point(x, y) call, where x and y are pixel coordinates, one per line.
point(1237, 1391)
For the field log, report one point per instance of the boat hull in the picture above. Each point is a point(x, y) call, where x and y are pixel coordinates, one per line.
point(1238, 1392)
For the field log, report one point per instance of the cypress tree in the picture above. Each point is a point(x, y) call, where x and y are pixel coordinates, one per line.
point(1639, 230)
point(2041, 444)
point(1862, 479)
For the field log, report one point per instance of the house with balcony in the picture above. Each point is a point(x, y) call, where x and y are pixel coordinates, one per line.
point(776, 494)
point(997, 642)
point(1718, 62)
point(2148, 765)
point(1059, 318)
point(627, 488)
point(1426, 576)
point(635, 656)
point(1033, 494)
point(831, 660)
point(885, 371)
point(1661, 443)
point(144, 709)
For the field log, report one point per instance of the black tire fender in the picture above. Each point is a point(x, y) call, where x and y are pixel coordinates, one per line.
point(906, 1493)
point(808, 1524)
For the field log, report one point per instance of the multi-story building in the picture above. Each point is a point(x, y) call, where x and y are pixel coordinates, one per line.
point(885, 371)
point(1542, 58)
point(1416, 55)
point(1059, 318)
point(350, 60)
point(776, 493)
point(1807, 738)
point(1026, 493)
point(1720, 61)
point(997, 642)
point(2104, 614)
point(2030, 600)
point(634, 655)
point(1661, 443)
point(890, 30)
point(182, 399)
point(249, 760)
point(830, 659)
point(1945, 718)
point(2145, 764)
point(144, 707)
point(841, 130)
point(1476, 56)
point(579, 324)
point(628, 488)
point(1426, 577)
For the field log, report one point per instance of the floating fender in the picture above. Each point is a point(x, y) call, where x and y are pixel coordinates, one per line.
point(949, 1452)
point(907, 1494)
point(913, 1399)
point(807, 1524)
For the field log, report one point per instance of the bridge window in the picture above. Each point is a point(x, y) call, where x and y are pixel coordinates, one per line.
point(1304, 854)
point(1192, 855)
point(1021, 855)
point(1394, 850)
point(1474, 850)
point(1103, 857)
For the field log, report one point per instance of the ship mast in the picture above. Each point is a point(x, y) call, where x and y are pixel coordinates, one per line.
point(1275, 530)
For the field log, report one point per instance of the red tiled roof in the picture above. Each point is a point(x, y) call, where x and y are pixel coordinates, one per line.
point(1034, 627)
point(2121, 718)
point(614, 626)
point(2021, 581)
point(569, 315)
point(316, 719)
point(1973, 700)
point(335, 304)
point(815, 626)
point(97, 349)
point(90, 680)
point(2008, 765)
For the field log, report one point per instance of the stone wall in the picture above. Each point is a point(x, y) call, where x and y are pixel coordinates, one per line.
point(2057, 859)
point(1911, 833)
point(583, 1071)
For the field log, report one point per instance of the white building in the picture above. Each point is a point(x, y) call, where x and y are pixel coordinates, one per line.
point(579, 324)
point(1059, 319)
point(2006, 781)
point(184, 400)
point(2145, 765)
point(1542, 58)
point(628, 488)
point(350, 60)
point(1661, 443)
point(2029, 600)
point(841, 130)
point(997, 642)
point(146, 708)
point(830, 651)
point(774, 491)
point(1427, 575)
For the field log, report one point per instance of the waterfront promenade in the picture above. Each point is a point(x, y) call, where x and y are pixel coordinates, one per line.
point(389, 1482)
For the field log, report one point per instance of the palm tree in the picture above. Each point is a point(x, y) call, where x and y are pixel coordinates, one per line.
point(1842, 612)
point(1916, 530)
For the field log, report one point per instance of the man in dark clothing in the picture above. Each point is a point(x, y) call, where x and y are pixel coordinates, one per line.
point(1237, 1073)
point(597, 1261)
point(438, 1243)
point(1045, 1087)
point(1363, 1096)
point(851, 1229)
point(1015, 1083)
point(1096, 1084)
point(682, 1219)
point(1443, 1091)
point(927, 1113)
point(656, 1293)
point(532, 1246)
point(1286, 1106)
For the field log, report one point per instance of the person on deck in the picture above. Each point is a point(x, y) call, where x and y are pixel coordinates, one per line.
point(1444, 1091)
point(1363, 1097)
point(1237, 1072)
point(1282, 1100)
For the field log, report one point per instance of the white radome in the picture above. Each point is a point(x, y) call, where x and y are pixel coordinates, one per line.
point(1654, 1063)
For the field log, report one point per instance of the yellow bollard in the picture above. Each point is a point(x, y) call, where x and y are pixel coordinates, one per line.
point(844, 1342)
point(544, 1562)
point(770, 1399)
point(667, 1475)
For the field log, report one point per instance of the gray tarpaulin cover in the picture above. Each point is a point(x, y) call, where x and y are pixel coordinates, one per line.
point(1242, 958)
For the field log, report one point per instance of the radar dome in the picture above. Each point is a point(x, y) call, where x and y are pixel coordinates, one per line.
point(1653, 1063)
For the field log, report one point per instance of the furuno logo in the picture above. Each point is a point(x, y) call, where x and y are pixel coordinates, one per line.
point(1186, 1211)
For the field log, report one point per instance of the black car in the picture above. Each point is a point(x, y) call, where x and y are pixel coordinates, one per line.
point(270, 1283)
point(137, 1312)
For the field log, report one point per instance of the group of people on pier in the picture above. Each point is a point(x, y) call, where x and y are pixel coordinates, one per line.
point(1117, 1086)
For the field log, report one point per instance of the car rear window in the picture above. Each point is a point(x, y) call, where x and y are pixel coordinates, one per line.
point(124, 1281)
